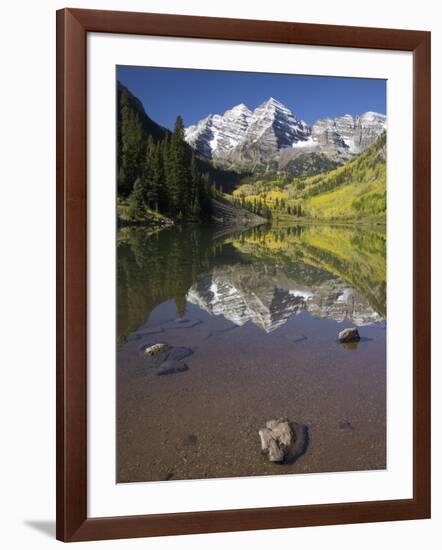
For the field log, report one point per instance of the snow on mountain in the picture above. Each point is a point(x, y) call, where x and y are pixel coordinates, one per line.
point(242, 296)
point(216, 134)
point(270, 127)
point(274, 122)
point(349, 133)
point(243, 135)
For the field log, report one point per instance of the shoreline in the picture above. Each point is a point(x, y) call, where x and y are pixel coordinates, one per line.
point(216, 223)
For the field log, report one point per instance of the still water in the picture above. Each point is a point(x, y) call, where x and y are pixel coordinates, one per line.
point(254, 317)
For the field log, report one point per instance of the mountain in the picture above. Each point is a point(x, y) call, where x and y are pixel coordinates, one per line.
point(348, 133)
point(353, 191)
point(268, 299)
point(219, 133)
point(357, 190)
point(244, 139)
point(308, 164)
point(126, 99)
point(241, 136)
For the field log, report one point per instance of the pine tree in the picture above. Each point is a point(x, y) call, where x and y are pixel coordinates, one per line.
point(148, 177)
point(205, 198)
point(137, 206)
point(167, 174)
point(166, 192)
point(131, 147)
point(195, 187)
point(179, 177)
point(158, 176)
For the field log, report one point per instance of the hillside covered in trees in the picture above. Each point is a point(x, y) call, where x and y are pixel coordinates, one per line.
point(159, 174)
point(356, 190)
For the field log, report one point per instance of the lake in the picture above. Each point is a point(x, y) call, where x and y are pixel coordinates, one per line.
point(252, 318)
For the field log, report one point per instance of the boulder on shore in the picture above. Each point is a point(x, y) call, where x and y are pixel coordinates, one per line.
point(277, 439)
point(349, 335)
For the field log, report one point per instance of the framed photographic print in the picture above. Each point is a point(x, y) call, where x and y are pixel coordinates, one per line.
point(243, 274)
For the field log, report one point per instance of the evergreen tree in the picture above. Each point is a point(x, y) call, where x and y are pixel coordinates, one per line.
point(157, 176)
point(163, 175)
point(165, 195)
point(205, 196)
point(195, 187)
point(131, 147)
point(179, 177)
point(149, 176)
point(137, 205)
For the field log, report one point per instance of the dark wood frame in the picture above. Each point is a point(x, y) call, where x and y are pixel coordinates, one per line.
point(73, 523)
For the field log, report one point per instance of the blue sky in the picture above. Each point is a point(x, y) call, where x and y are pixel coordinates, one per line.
point(194, 94)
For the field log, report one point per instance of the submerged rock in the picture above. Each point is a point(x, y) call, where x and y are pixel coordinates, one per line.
point(349, 335)
point(165, 357)
point(345, 425)
point(172, 368)
point(164, 354)
point(156, 349)
point(190, 441)
point(277, 438)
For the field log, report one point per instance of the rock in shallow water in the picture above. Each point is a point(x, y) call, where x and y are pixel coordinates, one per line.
point(156, 349)
point(349, 335)
point(166, 358)
point(276, 439)
point(165, 354)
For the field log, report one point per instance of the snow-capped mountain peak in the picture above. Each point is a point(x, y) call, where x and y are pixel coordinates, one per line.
point(219, 133)
point(347, 132)
point(241, 108)
point(271, 124)
point(273, 103)
point(242, 135)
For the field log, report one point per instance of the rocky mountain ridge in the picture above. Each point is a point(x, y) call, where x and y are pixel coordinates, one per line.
point(244, 138)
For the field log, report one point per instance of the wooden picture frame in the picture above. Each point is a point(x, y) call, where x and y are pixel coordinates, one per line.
point(73, 523)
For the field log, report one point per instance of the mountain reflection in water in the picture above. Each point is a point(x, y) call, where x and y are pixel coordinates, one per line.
point(263, 275)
